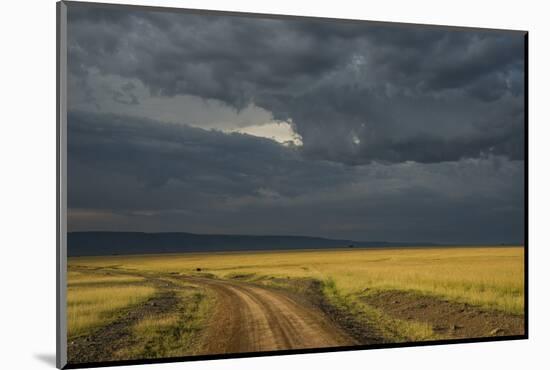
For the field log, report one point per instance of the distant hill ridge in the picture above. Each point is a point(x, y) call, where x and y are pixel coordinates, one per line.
point(99, 243)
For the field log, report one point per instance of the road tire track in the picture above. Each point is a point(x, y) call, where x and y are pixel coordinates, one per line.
point(249, 318)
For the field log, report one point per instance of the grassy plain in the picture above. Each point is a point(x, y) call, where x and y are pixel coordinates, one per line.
point(90, 304)
point(486, 277)
point(490, 277)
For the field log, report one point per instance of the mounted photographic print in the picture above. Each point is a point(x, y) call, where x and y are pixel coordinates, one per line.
point(236, 185)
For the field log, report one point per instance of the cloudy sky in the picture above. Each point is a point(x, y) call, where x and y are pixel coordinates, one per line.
point(230, 124)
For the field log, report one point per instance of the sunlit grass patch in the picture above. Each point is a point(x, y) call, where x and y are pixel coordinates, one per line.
point(170, 334)
point(392, 329)
point(86, 278)
point(89, 307)
point(153, 324)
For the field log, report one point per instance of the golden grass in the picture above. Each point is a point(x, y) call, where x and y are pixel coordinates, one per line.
point(89, 307)
point(486, 276)
point(171, 334)
point(86, 278)
point(390, 328)
point(152, 325)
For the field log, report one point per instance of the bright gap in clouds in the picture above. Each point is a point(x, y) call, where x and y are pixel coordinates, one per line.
point(280, 132)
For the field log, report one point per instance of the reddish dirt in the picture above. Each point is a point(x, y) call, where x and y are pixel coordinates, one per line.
point(250, 318)
point(450, 320)
point(310, 290)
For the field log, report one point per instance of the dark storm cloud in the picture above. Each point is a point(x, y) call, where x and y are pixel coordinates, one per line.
point(355, 92)
point(157, 156)
point(408, 133)
point(132, 174)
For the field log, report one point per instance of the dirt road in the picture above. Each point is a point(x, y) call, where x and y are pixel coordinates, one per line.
point(249, 318)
